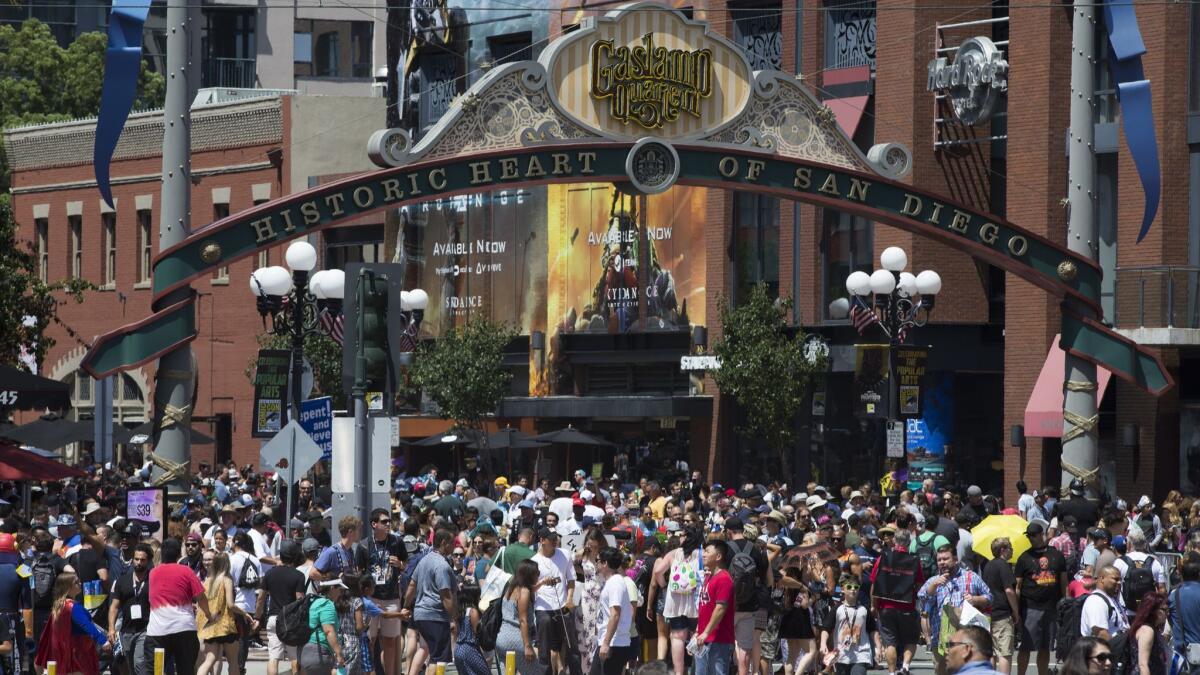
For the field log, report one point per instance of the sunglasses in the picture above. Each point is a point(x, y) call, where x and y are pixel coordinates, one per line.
point(384, 521)
point(1102, 657)
point(850, 588)
point(952, 644)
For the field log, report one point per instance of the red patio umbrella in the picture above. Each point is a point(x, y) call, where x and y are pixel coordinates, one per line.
point(18, 464)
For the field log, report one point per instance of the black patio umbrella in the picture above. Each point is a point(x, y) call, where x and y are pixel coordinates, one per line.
point(452, 437)
point(570, 436)
point(509, 439)
point(51, 433)
point(132, 436)
point(20, 390)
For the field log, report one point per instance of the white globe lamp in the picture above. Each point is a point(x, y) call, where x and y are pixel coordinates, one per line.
point(858, 283)
point(929, 283)
point(882, 282)
point(894, 259)
point(301, 256)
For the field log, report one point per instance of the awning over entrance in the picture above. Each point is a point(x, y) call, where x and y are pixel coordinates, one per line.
point(849, 112)
point(1043, 412)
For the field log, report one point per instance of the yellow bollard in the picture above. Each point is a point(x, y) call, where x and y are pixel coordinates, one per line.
point(645, 651)
point(160, 661)
point(51, 668)
point(510, 663)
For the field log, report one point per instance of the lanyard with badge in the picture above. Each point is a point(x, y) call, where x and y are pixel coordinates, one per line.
point(381, 561)
point(135, 606)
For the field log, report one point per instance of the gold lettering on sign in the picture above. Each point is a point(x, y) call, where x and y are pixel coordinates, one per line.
point(959, 222)
point(334, 202)
point(586, 159)
point(534, 168)
point(481, 172)
point(437, 179)
point(412, 185)
point(648, 85)
point(858, 189)
point(936, 216)
point(912, 206)
point(1018, 246)
point(391, 190)
point(728, 166)
point(988, 233)
point(562, 164)
point(262, 229)
point(803, 178)
point(287, 221)
point(754, 167)
point(310, 212)
point(508, 168)
point(830, 187)
point(363, 197)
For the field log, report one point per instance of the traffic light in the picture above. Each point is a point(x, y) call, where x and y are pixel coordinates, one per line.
point(374, 317)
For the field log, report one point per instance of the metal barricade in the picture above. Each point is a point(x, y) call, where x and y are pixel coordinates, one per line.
point(1169, 560)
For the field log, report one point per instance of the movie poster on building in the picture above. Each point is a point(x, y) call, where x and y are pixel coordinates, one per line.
point(270, 391)
point(928, 437)
point(594, 283)
point(910, 375)
point(872, 385)
point(479, 254)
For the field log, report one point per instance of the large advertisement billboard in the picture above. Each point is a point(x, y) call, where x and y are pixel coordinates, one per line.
point(928, 437)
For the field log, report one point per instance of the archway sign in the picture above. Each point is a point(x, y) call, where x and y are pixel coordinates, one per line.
point(647, 97)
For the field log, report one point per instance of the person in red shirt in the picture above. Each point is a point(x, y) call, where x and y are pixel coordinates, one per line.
point(714, 643)
point(895, 579)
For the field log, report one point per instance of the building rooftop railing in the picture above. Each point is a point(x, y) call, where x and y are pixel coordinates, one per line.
point(1157, 296)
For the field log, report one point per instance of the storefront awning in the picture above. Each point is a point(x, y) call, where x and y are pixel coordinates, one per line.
point(1043, 412)
point(849, 112)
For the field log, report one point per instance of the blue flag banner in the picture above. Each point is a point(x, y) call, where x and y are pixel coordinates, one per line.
point(122, 63)
point(1133, 91)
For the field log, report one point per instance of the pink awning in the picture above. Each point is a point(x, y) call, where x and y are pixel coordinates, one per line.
point(849, 112)
point(1043, 412)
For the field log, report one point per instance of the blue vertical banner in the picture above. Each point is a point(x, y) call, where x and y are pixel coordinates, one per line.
point(316, 418)
point(122, 65)
point(929, 436)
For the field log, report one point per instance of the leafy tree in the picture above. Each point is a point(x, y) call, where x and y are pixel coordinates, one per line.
point(323, 354)
point(764, 369)
point(42, 82)
point(461, 371)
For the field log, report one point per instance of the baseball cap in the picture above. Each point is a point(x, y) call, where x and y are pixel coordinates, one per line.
point(587, 521)
point(462, 483)
point(1034, 529)
point(297, 524)
point(194, 536)
point(525, 504)
point(578, 501)
point(66, 520)
point(856, 494)
point(310, 546)
point(518, 490)
point(672, 526)
point(289, 550)
point(501, 481)
point(334, 582)
point(733, 524)
point(259, 519)
point(547, 533)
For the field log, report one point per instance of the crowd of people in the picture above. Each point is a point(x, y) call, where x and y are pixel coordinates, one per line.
point(598, 577)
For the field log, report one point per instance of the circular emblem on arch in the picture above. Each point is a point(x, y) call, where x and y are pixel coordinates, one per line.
point(1067, 270)
point(652, 166)
point(211, 252)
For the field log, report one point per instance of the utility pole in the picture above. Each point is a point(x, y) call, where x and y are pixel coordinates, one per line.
point(175, 378)
point(1080, 457)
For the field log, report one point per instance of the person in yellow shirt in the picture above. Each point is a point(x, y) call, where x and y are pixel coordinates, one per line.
point(657, 501)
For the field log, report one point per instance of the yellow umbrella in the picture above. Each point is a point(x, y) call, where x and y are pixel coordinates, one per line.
point(994, 527)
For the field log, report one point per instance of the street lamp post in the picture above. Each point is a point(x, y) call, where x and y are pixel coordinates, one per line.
point(894, 300)
point(287, 296)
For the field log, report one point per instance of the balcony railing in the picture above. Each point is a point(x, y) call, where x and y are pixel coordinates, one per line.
point(229, 72)
point(1157, 296)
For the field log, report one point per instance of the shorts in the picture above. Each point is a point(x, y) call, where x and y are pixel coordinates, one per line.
point(276, 650)
point(1004, 637)
point(769, 641)
point(387, 628)
point(743, 630)
point(436, 635)
point(1037, 629)
point(222, 639)
point(899, 627)
point(676, 623)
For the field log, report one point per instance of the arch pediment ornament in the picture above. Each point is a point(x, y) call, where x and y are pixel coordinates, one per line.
point(572, 94)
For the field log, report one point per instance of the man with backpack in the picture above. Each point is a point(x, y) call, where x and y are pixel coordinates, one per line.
point(1100, 613)
point(926, 544)
point(247, 579)
point(1141, 573)
point(1041, 582)
point(44, 570)
point(751, 580)
point(895, 580)
point(281, 586)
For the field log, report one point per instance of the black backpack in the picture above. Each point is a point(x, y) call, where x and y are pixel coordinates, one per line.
point(249, 577)
point(490, 622)
point(1070, 616)
point(926, 555)
point(292, 624)
point(1122, 658)
point(1138, 582)
point(744, 571)
point(42, 581)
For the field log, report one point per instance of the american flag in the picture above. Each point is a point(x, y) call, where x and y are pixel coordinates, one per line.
point(334, 324)
point(861, 316)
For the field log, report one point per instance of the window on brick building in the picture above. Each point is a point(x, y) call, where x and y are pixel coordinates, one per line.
point(221, 274)
point(758, 30)
point(42, 232)
point(145, 246)
point(109, 253)
point(846, 246)
point(75, 245)
point(850, 33)
point(755, 243)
